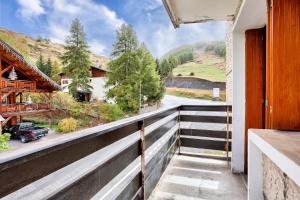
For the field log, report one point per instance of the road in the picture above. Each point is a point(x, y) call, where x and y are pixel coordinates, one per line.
point(169, 100)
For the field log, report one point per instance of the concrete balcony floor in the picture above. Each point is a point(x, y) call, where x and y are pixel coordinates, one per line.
point(195, 178)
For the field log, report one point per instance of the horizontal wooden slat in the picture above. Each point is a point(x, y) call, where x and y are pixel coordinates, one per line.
point(206, 119)
point(157, 133)
point(205, 133)
point(204, 143)
point(89, 174)
point(160, 116)
point(19, 171)
point(206, 108)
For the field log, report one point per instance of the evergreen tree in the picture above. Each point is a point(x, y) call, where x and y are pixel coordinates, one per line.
point(48, 67)
point(76, 59)
point(150, 80)
point(44, 67)
point(55, 72)
point(132, 77)
point(167, 65)
point(40, 63)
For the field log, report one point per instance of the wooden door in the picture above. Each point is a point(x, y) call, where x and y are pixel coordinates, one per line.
point(255, 47)
point(283, 65)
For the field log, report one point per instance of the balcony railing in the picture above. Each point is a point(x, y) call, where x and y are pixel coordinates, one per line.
point(17, 108)
point(119, 160)
point(18, 84)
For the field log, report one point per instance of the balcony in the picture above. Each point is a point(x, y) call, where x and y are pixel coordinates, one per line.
point(21, 109)
point(17, 85)
point(127, 159)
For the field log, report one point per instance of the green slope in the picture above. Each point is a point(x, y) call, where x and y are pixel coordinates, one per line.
point(206, 67)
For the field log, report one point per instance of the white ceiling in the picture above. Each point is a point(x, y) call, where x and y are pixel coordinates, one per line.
point(252, 15)
point(195, 11)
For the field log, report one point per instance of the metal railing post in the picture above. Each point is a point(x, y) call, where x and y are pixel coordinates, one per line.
point(142, 149)
point(178, 134)
point(227, 133)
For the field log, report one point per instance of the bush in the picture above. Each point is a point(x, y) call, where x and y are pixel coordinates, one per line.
point(4, 138)
point(192, 74)
point(111, 112)
point(67, 125)
point(179, 74)
point(63, 101)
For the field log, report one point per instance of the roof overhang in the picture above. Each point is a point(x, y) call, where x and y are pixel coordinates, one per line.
point(31, 71)
point(197, 11)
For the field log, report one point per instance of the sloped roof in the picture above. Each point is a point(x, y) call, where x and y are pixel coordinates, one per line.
point(44, 79)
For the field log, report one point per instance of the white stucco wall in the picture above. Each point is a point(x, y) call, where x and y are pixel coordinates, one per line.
point(98, 85)
point(238, 103)
point(252, 15)
point(229, 26)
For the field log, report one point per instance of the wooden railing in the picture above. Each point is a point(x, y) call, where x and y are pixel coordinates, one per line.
point(197, 136)
point(119, 160)
point(18, 84)
point(13, 108)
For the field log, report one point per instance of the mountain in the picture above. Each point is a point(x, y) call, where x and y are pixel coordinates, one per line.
point(31, 48)
point(208, 60)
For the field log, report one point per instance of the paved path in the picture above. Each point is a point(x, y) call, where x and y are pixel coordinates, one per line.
point(194, 178)
point(169, 100)
point(16, 144)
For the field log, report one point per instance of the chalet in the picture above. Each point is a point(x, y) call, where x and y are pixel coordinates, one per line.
point(18, 77)
point(97, 81)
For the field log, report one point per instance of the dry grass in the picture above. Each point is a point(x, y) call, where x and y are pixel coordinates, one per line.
point(194, 93)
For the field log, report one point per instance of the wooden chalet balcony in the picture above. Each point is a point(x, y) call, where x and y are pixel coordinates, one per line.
point(20, 109)
point(126, 159)
point(18, 85)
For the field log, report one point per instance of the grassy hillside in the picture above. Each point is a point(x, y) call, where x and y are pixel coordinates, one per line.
point(31, 48)
point(205, 66)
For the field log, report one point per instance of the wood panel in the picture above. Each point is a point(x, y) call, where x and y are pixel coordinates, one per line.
point(283, 67)
point(255, 48)
point(19, 171)
point(203, 143)
point(217, 108)
point(206, 119)
point(205, 133)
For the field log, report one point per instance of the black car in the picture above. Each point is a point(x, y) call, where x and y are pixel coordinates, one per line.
point(26, 132)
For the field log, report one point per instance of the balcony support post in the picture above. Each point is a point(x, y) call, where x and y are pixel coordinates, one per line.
point(179, 130)
point(227, 133)
point(142, 152)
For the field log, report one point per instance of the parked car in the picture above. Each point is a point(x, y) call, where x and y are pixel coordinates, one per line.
point(26, 132)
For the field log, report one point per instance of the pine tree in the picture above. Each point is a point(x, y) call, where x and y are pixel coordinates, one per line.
point(123, 77)
point(44, 67)
point(48, 67)
point(40, 63)
point(150, 80)
point(132, 77)
point(55, 72)
point(76, 59)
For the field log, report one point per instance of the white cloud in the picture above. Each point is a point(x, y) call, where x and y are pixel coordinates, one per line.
point(148, 17)
point(97, 48)
point(98, 20)
point(153, 27)
point(30, 8)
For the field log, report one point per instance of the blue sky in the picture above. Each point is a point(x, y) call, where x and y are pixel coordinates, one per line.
point(101, 18)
